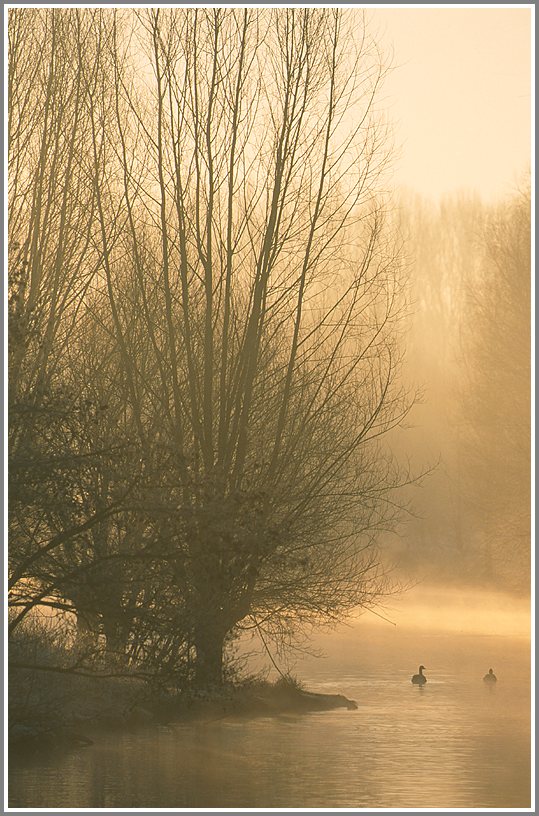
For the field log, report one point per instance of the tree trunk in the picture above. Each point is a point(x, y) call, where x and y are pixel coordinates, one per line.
point(209, 644)
point(116, 639)
point(87, 632)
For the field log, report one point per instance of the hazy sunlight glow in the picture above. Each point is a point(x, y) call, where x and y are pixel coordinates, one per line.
point(459, 96)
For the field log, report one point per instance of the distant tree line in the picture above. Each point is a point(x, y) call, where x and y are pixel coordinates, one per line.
point(469, 346)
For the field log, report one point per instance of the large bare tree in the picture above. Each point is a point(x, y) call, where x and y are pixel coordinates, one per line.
point(251, 155)
point(235, 163)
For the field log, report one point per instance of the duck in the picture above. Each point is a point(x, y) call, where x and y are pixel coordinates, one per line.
point(490, 677)
point(419, 679)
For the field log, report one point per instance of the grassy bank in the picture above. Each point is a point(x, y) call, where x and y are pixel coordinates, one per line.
point(70, 712)
point(53, 703)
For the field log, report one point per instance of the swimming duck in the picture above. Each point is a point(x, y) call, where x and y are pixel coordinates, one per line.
point(419, 679)
point(490, 677)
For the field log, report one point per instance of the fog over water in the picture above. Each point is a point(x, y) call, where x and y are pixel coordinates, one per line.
point(454, 743)
point(269, 316)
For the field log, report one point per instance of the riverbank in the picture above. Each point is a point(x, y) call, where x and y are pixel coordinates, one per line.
point(78, 727)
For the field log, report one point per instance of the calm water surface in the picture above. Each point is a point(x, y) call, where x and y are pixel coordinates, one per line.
point(453, 743)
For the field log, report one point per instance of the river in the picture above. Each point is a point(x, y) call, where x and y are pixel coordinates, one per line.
point(455, 743)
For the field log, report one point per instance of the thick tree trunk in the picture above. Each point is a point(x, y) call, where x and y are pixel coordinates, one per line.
point(209, 645)
point(115, 638)
point(87, 632)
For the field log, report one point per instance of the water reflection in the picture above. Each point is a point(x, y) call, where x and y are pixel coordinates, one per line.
point(455, 742)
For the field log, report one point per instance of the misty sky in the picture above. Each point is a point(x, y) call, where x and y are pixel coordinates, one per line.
point(459, 96)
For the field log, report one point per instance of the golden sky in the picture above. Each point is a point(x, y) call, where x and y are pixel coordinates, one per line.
point(459, 96)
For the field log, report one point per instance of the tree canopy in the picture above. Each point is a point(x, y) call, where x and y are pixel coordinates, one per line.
point(205, 299)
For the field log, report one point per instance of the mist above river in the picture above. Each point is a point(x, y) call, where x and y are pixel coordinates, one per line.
point(424, 615)
point(456, 742)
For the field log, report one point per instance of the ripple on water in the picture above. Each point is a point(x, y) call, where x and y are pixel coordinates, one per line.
point(453, 743)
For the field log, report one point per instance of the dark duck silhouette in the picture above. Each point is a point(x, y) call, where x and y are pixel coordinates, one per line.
point(490, 677)
point(419, 679)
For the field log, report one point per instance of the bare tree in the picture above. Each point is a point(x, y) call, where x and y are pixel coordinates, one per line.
point(52, 261)
point(54, 279)
point(229, 286)
point(249, 175)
